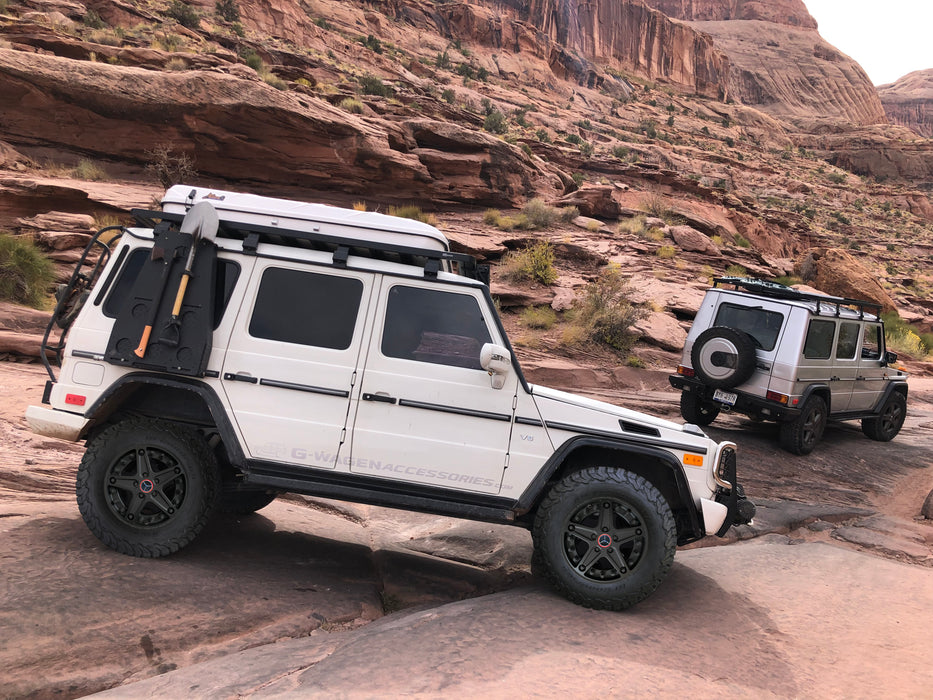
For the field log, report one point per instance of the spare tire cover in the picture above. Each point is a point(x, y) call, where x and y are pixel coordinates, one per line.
point(723, 357)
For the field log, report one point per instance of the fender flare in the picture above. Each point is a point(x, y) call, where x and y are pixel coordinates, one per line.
point(535, 489)
point(110, 401)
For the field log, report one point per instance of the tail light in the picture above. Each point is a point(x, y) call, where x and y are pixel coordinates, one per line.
point(685, 371)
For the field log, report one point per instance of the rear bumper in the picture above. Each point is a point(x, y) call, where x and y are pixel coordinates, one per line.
point(745, 403)
point(56, 424)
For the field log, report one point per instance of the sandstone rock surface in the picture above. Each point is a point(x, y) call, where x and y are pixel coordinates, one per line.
point(836, 272)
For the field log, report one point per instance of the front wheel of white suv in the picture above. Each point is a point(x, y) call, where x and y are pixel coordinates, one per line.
point(604, 538)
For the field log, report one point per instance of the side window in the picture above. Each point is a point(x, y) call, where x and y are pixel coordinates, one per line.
point(819, 343)
point(762, 325)
point(848, 341)
point(428, 325)
point(871, 345)
point(306, 308)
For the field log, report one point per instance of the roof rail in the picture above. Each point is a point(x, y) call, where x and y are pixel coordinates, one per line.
point(341, 247)
point(779, 291)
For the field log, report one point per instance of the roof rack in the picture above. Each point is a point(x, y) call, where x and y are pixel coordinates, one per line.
point(254, 234)
point(779, 291)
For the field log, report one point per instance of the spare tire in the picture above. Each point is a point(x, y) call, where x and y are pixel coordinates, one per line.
point(723, 357)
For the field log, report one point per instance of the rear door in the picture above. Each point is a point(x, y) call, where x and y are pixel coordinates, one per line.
point(291, 360)
point(427, 412)
point(871, 374)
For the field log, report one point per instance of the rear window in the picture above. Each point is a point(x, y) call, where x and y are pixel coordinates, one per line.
point(762, 325)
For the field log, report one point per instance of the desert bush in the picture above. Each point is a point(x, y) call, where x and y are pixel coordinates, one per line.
point(372, 85)
point(89, 170)
point(228, 10)
point(568, 214)
point(25, 273)
point(741, 241)
point(666, 252)
point(415, 213)
point(620, 152)
point(495, 122)
point(533, 263)
point(539, 214)
point(837, 178)
point(604, 314)
point(543, 136)
point(359, 206)
point(176, 64)
point(351, 105)
point(169, 167)
point(634, 226)
point(449, 96)
point(736, 271)
point(786, 280)
point(491, 217)
point(184, 14)
point(542, 317)
point(593, 225)
point(902, 337)
point(91, 18)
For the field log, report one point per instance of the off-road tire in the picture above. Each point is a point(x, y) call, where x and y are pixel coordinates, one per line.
point(723, 357)
point(585, 566)
point(147, 487)
point(697, 410)
point(890, 418)
point(245, 502)
point(800, 435)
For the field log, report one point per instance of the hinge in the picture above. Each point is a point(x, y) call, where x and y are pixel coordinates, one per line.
point(506, 466)
point(353, 379)
point(343, 435)
point(515, 402)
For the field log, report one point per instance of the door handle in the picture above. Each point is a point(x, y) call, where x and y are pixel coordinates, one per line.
point(240, 377)
point(381, 397)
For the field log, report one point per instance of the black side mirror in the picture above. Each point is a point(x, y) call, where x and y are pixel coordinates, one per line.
point(890, 358)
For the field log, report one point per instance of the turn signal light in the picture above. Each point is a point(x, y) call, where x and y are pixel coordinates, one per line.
point(685, 371)
point(774, 396)
point(693, 460)
point(75, 399)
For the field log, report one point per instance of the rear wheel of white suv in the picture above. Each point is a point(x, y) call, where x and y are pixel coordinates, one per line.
point(604, 538)
point(147, 487)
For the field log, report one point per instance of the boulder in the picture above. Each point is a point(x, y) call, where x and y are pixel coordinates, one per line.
point(691, 240)
point(661, 329)
point(595, 201)
point(836, 272)
point(677, 296)
point(511, 296)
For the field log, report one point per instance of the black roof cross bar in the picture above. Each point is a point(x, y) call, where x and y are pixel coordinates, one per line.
point(779, 291)
point(252, 234)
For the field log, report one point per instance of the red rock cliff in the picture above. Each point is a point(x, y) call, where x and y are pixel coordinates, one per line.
point(790, 12)
point(909, 101)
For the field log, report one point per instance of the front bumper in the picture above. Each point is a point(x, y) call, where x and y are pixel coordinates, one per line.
point(739, 510)
point(745, 403)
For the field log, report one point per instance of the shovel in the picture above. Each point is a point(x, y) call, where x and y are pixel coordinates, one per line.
point(167, 263)
point(201, 222)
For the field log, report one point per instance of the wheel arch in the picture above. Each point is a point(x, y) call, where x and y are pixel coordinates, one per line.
point(821, 390)
point(656, 466)
point(171, 398)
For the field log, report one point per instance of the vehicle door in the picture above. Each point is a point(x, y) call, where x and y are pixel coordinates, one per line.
point(291, 359)
point(872, 374)
point(427, 412)
point(818, 364)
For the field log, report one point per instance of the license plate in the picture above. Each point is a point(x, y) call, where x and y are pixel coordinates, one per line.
point(726, 397)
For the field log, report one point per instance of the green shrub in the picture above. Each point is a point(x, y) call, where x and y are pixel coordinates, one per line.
point(902, 337)
point(176, 63)
point(543, 136)
point(272, 79)
point(539, 214)
point(837, 178)
point(252, 59)
point(449, 96)
point(575, 139)
point(372, 43)
point(351, 105)
point(533, 263)
point(605, 314)
point(741, 241)
point(228, 10)
point(25, 273)
point(482, 74)
point(495, 123)
point(666, 252)
point(443, 60)
point(634, 226)
point(568, 214)
point(184, 14)
point(91, 18)
point(542, 317)
point(413, 212)
point(491, 217)
point(372, 85)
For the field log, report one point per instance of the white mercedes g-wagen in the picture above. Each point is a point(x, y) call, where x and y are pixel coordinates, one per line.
point(232, 347)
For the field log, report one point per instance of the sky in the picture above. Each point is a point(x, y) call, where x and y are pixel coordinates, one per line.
point(888, 39)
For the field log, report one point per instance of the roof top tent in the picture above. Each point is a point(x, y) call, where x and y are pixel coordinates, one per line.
point(311, 218)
